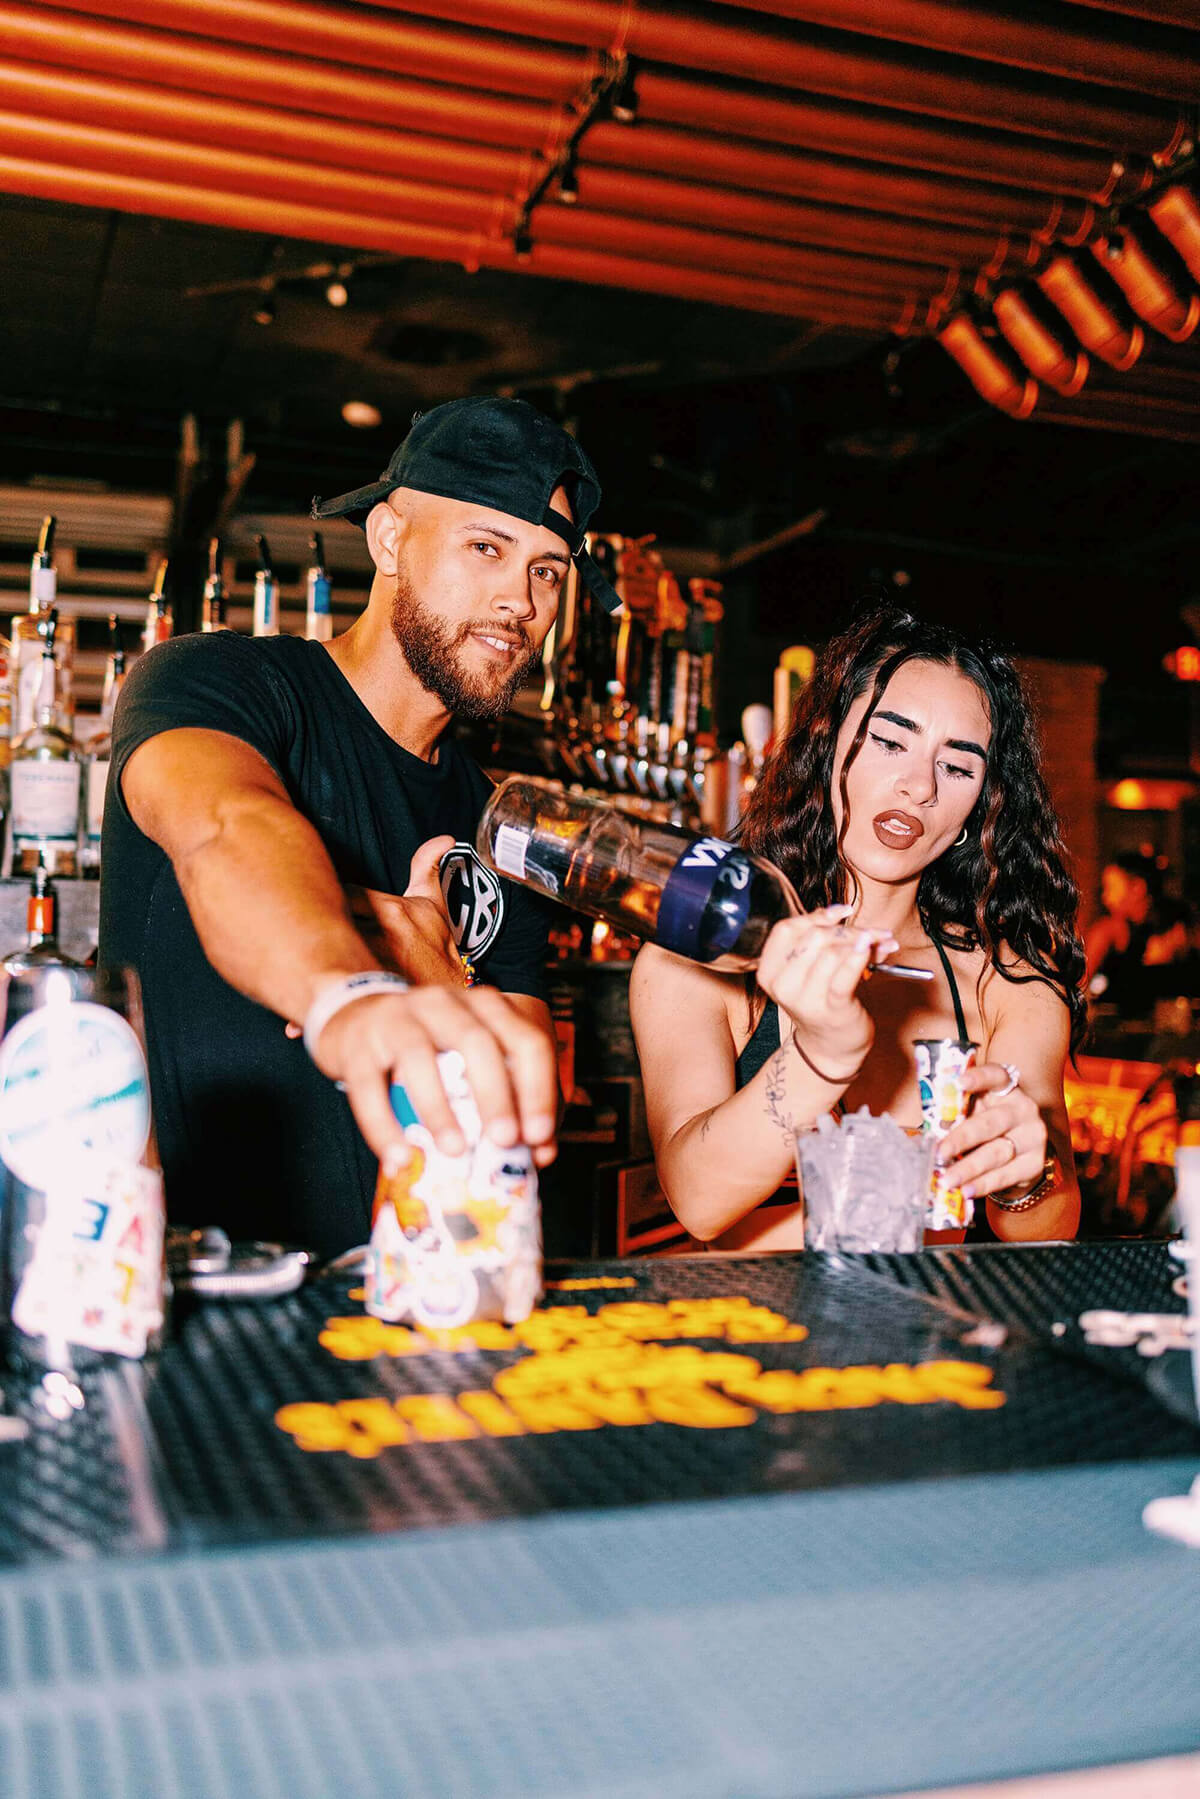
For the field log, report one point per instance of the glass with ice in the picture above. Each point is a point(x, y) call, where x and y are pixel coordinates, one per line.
point(865, 1183)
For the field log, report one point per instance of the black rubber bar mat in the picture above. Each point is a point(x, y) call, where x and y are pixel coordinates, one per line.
point(637, 1382)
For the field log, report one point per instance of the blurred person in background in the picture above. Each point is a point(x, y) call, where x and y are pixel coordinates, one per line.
point(1132, 949)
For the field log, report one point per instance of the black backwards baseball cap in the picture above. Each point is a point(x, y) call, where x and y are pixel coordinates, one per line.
point(504, 454)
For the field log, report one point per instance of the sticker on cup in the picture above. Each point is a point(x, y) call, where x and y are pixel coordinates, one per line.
point(72, 1082)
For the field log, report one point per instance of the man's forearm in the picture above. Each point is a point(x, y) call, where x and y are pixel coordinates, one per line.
point(268, 907)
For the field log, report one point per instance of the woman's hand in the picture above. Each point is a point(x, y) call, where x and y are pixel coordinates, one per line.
point(811, 968)
point(1002, 1144)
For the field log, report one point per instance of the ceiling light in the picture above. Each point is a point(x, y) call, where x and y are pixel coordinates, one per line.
point(623, 101)
point(1091, 318)
point(362, 415)
point(1148, 290)
point(1177, 215)
point(337, 293)
point(568, 183)
point(1063, 367)
point(987, 369)
point(264, 311)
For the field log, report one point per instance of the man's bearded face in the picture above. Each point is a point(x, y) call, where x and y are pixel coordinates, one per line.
point(447, 663)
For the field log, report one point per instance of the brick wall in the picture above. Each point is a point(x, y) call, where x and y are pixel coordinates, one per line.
point(1067, 701)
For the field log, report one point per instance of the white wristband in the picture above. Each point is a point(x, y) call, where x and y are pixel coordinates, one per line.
point(355, 986)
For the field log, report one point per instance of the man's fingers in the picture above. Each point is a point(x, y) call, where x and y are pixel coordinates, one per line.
point(416, 1070)
point(369, 1091)
point(531, 1068)
point(423, 882)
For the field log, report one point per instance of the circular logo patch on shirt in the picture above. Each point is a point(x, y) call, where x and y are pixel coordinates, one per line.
point(474, 900)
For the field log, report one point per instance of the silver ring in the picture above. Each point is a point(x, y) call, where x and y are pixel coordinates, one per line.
point(1014, 1080)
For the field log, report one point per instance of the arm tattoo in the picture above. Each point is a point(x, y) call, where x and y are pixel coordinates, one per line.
point(777, 1093)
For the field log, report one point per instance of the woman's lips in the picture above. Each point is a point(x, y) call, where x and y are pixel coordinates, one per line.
point(897, 830)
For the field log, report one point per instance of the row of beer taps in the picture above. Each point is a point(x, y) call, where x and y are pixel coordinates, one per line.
point(629, 703)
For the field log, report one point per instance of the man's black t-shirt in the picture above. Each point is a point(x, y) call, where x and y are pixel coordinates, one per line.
point(252, 1136)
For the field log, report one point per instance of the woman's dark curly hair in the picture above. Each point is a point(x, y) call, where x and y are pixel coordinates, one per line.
point(1006, 888)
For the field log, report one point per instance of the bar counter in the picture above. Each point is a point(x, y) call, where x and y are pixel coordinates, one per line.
point(741, 1526)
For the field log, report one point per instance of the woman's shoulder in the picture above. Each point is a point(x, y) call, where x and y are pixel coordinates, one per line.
point(669, 988)
point(1012, 988)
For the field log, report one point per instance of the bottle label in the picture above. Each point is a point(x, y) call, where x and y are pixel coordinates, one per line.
point(705, 902)
point(72, 1083)
point(45, 801)
point(97, 782)
point(510, 850)
point(95, 1277)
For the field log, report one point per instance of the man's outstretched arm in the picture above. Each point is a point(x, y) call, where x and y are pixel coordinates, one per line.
point(272, 918)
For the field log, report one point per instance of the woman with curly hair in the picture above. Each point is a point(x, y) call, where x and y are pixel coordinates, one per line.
point(907, 806)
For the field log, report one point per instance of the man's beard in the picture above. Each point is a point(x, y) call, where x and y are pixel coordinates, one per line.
point(434, 654)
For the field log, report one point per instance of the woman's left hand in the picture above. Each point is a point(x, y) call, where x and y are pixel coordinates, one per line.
point(1002, 1144)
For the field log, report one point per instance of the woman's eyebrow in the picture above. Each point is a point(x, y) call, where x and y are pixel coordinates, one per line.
point(952, 743)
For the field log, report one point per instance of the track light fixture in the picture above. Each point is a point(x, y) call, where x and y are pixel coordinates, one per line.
point(265, 310)
point(1092, 319)
point(1176, 212)
point(1150, 293)
point(568, 181)
point(623, 100)
point(988, 370)
point(1061, 366)
point(523, 242)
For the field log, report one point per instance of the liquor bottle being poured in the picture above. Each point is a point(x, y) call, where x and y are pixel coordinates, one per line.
point(28, 633)
point(700, 897)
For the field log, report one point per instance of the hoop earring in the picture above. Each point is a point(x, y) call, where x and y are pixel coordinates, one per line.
point(959, 841)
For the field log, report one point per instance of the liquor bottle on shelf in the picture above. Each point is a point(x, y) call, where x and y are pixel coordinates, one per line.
point(160, 614)
point(698, 896)
point(98, 754)
point(41, 947)
point(44, 778)
point(266, 592)
point(212, 613)
point(25, 657)
point(318, 621)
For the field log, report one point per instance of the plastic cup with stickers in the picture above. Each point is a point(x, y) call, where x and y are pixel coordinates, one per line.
point(865, 1183)
point(82, 1270)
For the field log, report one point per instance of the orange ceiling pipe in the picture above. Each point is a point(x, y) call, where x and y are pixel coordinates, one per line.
point(67, 41)
point(843, 129)
point(1061, 367)
point(836, 181)
point(198, 65)
point(71, 42)
point(158, 112)
point(1150, 293)
point(366, 37)
point(415, 203)
point(1163, 12)
point(1177, 215)
point(317, 224)
point(1075, 48)
point(386, 37)
point(1092, 320)
point(152, 111)
point(987, 370)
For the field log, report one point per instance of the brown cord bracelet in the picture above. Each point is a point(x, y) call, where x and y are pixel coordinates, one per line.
point(834, 1080)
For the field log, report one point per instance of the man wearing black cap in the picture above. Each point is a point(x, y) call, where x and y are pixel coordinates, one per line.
point(268, 794)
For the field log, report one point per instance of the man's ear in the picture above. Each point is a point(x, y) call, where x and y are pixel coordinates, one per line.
point(385, 533)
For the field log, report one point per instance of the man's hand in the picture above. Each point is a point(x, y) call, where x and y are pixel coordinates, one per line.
point(410, 933)
point(386, 1038)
